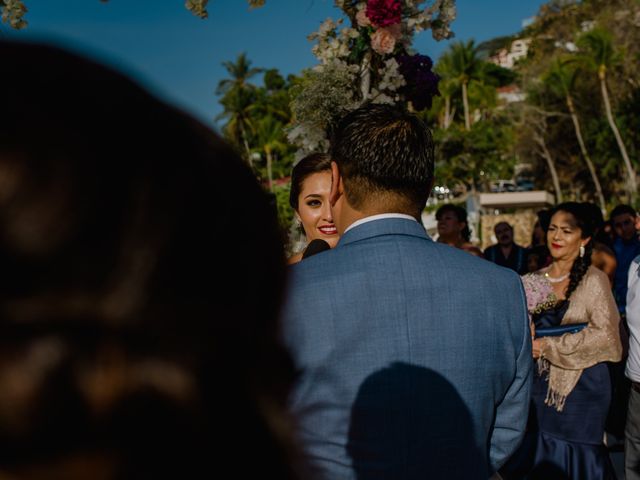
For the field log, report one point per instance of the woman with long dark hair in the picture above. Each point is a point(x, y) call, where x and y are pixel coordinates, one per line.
point(571, 390)
point(309, 198)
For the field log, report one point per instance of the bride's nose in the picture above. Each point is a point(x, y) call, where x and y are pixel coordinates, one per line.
point(327, 215)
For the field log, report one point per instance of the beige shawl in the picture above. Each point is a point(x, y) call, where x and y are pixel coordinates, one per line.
point(566, 356)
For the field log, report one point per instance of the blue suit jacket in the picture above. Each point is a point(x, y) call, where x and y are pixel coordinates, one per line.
point(414, 357)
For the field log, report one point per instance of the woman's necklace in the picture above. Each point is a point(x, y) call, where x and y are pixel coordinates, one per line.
point(556, 279)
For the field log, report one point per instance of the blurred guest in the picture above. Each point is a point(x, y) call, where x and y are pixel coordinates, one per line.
point(537, 258)
point(626, 247)
point(539, 233)
point(506, 252)
point(602, 257)
point(632, 429)
point(309, 197)
point(453, 228)
point(122, 356)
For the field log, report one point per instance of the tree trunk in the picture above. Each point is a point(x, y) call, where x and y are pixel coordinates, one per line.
point(269, 168)
point(447, 111)
point(246, 145)
point(585, 154)
point(539, 139)
point(633, 188)
point(465, 103)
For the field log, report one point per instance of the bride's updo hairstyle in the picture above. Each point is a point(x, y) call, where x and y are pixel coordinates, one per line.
point(582, 219)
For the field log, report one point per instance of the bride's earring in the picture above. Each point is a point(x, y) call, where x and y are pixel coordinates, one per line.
point(581, 251)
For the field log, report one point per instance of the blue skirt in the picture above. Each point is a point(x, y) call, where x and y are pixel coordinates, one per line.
point(566, 445)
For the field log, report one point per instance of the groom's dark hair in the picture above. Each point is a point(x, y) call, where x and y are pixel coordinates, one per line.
point(382, 150)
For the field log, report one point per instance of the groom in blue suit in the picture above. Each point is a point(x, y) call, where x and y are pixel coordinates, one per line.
point(414, 357)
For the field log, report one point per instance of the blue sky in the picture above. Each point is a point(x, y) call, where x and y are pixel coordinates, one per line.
point(179, 56)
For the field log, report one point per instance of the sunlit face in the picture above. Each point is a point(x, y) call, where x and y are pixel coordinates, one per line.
point(564, 237)
point(314, 208)
point(449, 226)
point(624, 226)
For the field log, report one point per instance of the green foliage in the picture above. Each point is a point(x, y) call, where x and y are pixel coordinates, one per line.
point(319, 97)
point(608, 47)
point(285, 212)
point(255, 120)
point(476, 157)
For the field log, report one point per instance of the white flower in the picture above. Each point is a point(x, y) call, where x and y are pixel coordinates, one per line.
point(391, 79)
point(326, 27)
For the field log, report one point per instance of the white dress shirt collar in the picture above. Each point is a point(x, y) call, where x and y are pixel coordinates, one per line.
point(380, 216)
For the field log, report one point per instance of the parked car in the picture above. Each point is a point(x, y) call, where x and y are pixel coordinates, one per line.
point(503, 186)
point(524, 185)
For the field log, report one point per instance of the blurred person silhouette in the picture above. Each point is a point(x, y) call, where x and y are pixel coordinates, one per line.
point(537, 257)
point(122, 356)
point(539, 233)
point(389, 315)
point(506, 252)
point(603, 256)
point(453, 228)
point(309, 198)
point(626, 247)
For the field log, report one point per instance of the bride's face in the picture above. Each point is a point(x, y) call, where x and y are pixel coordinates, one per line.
point(314, 208)
point(564, 237)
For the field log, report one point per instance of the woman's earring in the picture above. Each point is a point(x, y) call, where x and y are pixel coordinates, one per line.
point(581, 251)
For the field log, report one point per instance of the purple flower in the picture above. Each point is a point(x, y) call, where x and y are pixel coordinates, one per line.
point(383, 13)
point(422, 82)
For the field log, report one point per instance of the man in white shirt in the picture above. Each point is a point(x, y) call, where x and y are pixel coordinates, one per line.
point(632, 429)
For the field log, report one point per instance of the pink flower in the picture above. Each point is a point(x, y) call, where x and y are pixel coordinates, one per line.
point(362, 19)
point(539, 293)
point(383, 40)
point(383, 13)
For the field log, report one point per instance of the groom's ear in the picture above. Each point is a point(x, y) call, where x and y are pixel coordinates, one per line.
point(337, 187)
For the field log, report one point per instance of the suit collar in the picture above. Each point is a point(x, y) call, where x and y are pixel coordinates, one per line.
point(384, 226)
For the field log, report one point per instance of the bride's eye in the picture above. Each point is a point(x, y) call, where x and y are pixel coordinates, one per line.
point(314, 203)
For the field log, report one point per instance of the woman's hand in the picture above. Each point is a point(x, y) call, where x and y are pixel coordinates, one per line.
point(536, 346)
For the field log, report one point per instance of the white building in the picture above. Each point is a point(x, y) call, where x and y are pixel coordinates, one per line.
point(507, 58)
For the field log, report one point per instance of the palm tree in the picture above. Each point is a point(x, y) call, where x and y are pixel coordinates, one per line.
point(271, 141)
point(465, 66)
point(237, 104)
point(240, 72)
point(237, 97)
point(448, 86)
point(599, 56)
point(561, 78)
